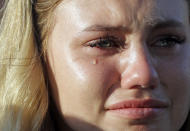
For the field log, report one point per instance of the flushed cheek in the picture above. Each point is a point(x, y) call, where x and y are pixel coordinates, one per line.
point(86, 83)
point(94, 74)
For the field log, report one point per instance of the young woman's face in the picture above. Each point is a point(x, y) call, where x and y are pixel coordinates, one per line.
point(121, 65)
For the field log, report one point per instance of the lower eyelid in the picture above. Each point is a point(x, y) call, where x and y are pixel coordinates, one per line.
point(99, 52)
point(170, 38)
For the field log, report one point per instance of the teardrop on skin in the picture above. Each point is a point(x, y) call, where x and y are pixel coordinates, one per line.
point(95, 61)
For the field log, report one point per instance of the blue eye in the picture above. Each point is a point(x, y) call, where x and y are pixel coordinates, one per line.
point(167, 41)
point(105, 43)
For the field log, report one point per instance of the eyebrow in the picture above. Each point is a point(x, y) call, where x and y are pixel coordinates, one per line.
point(107, 28)
point(167, 24)
point(156, 24)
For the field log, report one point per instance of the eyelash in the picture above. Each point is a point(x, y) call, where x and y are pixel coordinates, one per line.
point(168, 41)
point(108, 42)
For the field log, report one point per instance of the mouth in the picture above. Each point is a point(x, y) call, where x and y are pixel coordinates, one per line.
point(138, 109)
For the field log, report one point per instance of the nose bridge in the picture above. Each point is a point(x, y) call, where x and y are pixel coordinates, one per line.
point(139, 69)
point(143, 63)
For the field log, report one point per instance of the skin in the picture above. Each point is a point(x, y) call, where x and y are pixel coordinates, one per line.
point(86, 80)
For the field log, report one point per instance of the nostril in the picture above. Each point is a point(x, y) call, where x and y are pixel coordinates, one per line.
point(143, 87)
point(148, 86)
point(141, 73)
point(135, 79)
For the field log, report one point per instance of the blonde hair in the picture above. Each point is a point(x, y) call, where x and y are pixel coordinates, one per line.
point(23, 91)
point(1, 8)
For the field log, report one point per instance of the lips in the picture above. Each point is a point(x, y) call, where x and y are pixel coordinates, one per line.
point(148, 103)
point(138, 109)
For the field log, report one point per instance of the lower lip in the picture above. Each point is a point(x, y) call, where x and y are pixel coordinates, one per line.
point(138, 113)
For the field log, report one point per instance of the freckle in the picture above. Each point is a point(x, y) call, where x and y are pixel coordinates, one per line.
point(95, 61)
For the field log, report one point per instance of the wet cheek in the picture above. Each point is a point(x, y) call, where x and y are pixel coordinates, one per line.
point(95, 72)
point(83, 81)
point(85, 75)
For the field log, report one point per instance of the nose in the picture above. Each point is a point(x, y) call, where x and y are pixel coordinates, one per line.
point(139, 69)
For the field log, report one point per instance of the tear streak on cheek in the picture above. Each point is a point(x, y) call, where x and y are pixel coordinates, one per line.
point(82, 67)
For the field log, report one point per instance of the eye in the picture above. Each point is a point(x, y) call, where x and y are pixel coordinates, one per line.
point(106, 43)
point(168, 41)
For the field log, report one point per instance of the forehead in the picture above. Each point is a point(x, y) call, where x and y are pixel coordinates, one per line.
point(124, 12)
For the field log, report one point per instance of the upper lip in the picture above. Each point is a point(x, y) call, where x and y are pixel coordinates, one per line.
point(145, 103)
